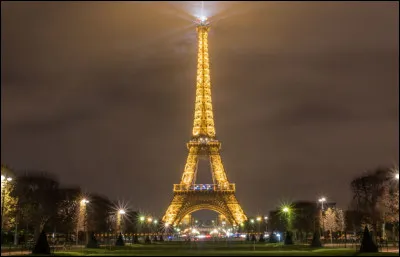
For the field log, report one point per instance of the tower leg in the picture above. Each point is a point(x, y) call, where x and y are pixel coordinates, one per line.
point(190, 167)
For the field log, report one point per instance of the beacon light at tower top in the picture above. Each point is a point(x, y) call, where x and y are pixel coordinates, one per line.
point(202, 20)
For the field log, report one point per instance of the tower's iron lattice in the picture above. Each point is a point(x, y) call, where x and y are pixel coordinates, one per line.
point(188, 196)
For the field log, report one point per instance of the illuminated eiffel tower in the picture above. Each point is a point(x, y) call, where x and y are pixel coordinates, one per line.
point(219, 196)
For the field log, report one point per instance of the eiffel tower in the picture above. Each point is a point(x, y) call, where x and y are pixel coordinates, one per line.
point(219, 196)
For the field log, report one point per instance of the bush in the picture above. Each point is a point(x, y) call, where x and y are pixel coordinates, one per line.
point(367, 244)
point(42, 246)
point(120, 240)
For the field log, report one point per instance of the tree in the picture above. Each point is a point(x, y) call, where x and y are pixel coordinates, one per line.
point(330, 221)
point(9, 205)
point(390, 202)
point(368, 191)
point(100, 212)
point(353, 220)
point(131, 222)
point(38, 198)
point(389, 206)
point(67, 210)
point(340, 220)
point(304, 218)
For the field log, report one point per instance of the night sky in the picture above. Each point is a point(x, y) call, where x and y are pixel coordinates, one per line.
point(305, 95)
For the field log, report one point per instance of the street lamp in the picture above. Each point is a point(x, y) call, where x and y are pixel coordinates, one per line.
point(322, 200)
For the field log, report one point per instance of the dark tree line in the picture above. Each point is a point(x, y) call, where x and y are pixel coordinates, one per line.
point(42, 205)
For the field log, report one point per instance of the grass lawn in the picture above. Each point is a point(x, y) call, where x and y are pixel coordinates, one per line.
point(216, 249)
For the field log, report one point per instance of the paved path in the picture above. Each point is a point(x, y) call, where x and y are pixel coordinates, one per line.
point(15, 253)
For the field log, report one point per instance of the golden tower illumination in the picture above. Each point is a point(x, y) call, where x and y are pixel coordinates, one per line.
point(219, 196)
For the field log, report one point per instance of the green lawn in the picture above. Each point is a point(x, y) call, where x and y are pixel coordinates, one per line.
point(216, 249)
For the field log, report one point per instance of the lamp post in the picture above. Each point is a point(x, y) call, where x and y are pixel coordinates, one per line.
point(287, 212)
point(259, 223)
point(322, 200)
point(82, 213)
point(149, 222)
point(120, 214)
point(266, 223)
point(4, 181)
point(396, 176)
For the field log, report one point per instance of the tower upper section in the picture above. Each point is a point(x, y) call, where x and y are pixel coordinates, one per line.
point(203, 125)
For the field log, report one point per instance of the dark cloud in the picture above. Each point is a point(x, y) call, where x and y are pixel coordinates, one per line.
point(305, 95)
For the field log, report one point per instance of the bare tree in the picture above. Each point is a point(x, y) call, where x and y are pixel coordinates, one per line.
point(37, 194)
point(368, 191)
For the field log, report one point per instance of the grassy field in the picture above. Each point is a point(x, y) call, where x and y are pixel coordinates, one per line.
point(216, 249)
